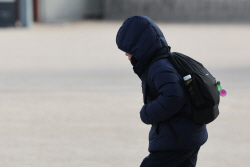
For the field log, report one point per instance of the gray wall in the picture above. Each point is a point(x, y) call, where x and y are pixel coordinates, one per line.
point(94, 9)
point(180, 10)
point(52, 11)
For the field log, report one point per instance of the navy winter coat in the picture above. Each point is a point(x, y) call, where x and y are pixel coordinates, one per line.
point(166, 96)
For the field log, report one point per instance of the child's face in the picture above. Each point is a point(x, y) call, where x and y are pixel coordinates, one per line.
point(129, 56)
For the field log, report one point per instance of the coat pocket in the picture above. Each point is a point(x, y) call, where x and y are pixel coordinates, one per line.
point(154, 131)
point(157, 129)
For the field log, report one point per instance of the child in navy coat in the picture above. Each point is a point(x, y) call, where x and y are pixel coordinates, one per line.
point(174, 141)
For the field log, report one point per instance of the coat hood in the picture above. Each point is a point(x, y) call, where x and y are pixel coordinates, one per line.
point(143, 39)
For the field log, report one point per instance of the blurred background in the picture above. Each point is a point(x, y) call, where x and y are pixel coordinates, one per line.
point(69, 97)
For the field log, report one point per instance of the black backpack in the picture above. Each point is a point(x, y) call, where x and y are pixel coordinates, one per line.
point(202, 90)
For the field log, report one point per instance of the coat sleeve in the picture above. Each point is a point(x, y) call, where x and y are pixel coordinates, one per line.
point(170, 100)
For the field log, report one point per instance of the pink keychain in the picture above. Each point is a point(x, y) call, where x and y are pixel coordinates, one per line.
point(223, 92)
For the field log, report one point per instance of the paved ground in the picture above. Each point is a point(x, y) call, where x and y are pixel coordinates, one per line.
point(69, 98)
